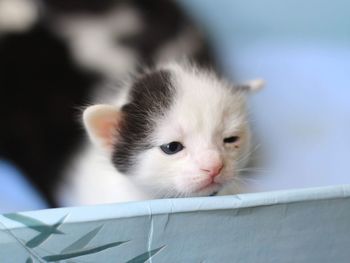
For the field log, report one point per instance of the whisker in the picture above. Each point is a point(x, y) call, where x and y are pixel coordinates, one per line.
point(249, 153)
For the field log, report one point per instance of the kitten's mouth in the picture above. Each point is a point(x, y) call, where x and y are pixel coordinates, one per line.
point(211, 188)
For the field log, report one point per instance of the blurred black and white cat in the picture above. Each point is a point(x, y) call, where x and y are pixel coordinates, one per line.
point(162, 122)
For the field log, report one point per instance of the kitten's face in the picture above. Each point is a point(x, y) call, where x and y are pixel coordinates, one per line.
point(200, 143)
point(182, 132)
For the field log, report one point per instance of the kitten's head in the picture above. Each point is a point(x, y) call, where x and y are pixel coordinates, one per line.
point(182, 132)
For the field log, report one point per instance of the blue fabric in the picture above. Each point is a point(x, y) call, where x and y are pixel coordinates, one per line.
point(16, 193)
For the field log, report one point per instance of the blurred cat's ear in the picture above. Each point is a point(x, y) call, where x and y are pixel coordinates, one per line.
point(253, 85)
point(101, 123)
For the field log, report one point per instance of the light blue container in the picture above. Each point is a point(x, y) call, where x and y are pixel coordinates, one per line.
point(303, 226)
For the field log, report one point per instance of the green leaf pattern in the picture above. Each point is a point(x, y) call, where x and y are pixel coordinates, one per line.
point(145, 256)
point(76, 249)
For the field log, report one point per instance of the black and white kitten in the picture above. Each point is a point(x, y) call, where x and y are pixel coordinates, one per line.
point(179, 131)
point(164, 128)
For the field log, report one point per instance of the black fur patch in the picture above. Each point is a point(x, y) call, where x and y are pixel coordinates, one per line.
point(150, 98)
point(79, 6)
point(41, 90)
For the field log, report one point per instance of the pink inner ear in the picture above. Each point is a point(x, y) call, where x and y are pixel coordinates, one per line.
point(101, 122)
point(107, 130)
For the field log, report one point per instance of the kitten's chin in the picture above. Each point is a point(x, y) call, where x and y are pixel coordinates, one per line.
point(207, 186)
point(204, 188)
point(208, 189)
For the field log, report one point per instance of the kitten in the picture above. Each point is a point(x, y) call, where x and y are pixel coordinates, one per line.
point(180, 131)
point(67, 56)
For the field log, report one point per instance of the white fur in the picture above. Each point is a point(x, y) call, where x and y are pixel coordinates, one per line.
point(17, 15)
point(93, 40)
point(91, 179)
point(205, 111)
point(256, 84)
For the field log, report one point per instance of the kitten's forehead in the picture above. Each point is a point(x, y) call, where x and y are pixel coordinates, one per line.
point(204, 103)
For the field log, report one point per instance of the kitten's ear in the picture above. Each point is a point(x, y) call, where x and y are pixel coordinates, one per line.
point(253, 85)
point(101, 123)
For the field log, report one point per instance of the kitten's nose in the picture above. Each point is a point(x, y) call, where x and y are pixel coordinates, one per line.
point(214, 170)
point(211, 163)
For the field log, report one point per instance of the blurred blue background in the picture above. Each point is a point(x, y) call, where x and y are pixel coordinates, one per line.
point(301, 118)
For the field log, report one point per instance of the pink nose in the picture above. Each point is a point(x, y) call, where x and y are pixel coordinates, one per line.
point(210, 162)
point(214, 170)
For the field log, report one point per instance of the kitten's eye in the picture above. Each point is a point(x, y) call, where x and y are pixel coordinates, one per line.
point(172, 148)
point(231, 139)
